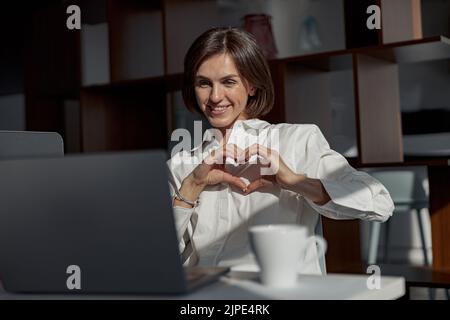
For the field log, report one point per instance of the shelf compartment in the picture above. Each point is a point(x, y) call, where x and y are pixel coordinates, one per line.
point(128, 119)
point(168, 83)
point(95, 64)
point(427, 49)
point(52, 62)
point(185, 20)
point(323, 97)
point(401, 20)
point(329, 61)
point(136, 39)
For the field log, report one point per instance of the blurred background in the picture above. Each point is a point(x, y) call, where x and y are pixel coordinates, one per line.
point(381, 97)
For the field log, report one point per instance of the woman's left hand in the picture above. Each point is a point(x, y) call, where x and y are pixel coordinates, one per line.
point(273, 169)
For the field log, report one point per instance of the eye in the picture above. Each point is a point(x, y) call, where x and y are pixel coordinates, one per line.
point(203, 83)
point(229, 82)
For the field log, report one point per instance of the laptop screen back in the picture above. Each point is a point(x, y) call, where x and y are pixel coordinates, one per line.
point(109, 215)
point(30, 144)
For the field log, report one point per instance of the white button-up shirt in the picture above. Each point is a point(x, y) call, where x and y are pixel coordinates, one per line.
point(218, 226)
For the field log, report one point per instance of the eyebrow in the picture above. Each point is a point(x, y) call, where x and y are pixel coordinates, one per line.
point(223, 78)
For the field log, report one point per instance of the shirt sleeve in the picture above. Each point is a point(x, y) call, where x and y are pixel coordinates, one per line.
point(185, 218)
point(354, 194)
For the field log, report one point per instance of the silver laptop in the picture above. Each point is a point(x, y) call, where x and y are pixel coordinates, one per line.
point(30, 144)
point(92, 224)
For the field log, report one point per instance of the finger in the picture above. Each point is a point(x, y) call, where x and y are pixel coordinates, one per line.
point(257, 149)
point(216, 156)
point(233, 180)
point(251, 151)
point(228, 151)
point(266, 156)
point(269, 159)
point(263, 156)
point(257, 184)
point(235, 153)
point(210, 159)
point(240, 156)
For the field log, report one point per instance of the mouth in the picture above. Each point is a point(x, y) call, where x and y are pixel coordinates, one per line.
point(218, 110)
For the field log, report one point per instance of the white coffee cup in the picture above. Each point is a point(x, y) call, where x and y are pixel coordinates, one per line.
point(280, 252)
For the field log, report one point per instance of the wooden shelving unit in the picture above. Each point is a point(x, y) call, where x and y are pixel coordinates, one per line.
point(375, 76)
point(146, 41)
point(409, 161)
point(129, 104)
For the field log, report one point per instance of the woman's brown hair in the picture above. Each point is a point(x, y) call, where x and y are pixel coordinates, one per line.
point(248, 58)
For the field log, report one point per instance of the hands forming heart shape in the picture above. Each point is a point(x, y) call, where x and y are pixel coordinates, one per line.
point(273, 170)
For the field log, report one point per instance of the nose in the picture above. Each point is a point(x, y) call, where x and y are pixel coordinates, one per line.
point(217, 94)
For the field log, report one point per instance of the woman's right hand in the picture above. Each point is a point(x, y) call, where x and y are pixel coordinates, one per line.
point(211, 172)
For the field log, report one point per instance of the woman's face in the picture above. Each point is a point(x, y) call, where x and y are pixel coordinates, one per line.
point(221, 93)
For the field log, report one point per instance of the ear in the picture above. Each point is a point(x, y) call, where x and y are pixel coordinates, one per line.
point(252, 91)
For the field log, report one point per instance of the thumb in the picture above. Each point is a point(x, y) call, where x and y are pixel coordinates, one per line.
point(259, 183)
point(233, 180)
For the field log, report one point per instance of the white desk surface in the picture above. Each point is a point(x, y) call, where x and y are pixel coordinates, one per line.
point(242, 286)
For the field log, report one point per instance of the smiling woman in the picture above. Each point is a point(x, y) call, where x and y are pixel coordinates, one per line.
point(221, 93)
point(227, 62)
point(226, 78)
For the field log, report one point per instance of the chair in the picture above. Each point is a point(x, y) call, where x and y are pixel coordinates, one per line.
point(319, 232)
point(30, 144)
point(408, 194)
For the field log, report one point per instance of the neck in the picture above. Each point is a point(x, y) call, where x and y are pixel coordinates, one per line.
point(226, 131)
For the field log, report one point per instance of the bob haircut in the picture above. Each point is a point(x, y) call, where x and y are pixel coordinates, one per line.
point(248, 58)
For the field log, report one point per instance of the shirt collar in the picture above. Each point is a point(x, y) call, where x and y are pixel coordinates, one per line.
point(240, 126)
